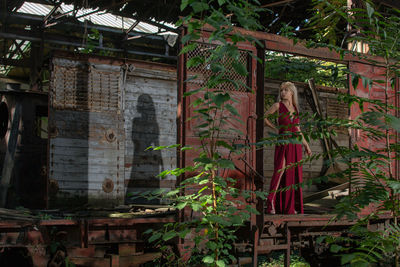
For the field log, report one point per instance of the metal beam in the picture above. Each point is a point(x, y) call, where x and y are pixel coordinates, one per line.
point(278, 3)
point(18, 47)
point(24, 63)
point(132, 26)
point(51, 13)
point(391, 3)
point(53, 39)
point(26, 19)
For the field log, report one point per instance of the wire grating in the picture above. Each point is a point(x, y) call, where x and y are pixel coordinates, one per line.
point(199, 75)
point(80, 88)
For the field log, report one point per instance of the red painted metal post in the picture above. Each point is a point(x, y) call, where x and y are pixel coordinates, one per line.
point(255, 245)
point(397, 100)
point(288, 241)
point(114, 260)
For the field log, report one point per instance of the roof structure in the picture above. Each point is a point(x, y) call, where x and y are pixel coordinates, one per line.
point(29, 30)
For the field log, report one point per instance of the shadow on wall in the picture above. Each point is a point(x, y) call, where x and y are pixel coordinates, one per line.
point(146, 164)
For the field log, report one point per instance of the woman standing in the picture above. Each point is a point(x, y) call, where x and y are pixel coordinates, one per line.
point(289, 200)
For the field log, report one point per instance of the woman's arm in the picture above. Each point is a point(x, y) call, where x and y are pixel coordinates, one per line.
point(304, 142)
point(270, 111)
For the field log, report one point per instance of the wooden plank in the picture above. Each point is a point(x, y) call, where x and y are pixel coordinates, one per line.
point(73, 173)
point(76, 151)
point(85, 117)
point(324, 193)
point(82, 143)
point(153, 74)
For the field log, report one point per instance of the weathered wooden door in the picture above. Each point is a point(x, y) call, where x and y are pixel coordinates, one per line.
point(86, 135)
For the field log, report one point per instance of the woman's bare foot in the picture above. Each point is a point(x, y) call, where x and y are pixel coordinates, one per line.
point(272, 212)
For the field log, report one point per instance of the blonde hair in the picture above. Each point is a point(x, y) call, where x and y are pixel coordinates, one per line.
point(291, 87)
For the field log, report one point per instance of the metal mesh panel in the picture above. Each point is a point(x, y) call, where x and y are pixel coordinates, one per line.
point(202, 72)
point(69, 87)
point(76, 87)
point(104, 91)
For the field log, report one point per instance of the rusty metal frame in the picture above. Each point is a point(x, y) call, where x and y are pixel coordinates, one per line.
point(37, 236)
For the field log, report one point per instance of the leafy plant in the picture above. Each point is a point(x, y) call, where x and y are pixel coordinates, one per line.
point(277, 259)
point(374, 183)
point(295, 68)
point(212, 208)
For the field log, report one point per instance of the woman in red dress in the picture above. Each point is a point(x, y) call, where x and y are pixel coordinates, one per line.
point(290, 199)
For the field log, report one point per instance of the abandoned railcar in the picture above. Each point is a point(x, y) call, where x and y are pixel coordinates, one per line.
point(100, 114)
point(101, 118)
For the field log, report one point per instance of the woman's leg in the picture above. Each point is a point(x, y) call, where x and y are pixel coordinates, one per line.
point(273, 188)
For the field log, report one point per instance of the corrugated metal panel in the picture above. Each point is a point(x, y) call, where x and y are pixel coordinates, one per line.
point(35, 9)
point(101, 18)
point(86, 134)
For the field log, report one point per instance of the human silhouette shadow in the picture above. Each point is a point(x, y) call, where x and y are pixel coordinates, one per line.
point(146, 164)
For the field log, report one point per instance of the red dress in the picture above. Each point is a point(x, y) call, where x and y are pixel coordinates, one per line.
point(287, 201)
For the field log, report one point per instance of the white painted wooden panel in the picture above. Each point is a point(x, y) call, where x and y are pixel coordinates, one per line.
point(150, 103)
point(86, 134)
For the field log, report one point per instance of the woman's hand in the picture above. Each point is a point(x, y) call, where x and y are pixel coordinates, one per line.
point(308, 150)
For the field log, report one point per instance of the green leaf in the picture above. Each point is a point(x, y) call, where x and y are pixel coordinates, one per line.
point(252, 210)
point(183, 233)
point(154, 237)
point(203, 160)
point(190, 37)
point(232, 110)
point(194, 61)
point(148, 231)
point(184, 4)
point(217, 67)
point(370, 10)
point(224, 144)
point(217, 219)
point(354, 80)
point(394, 185)
point(236, 219)
point(169, 235)
point(240, 68)
point(208, 259)
point(211, 245)
point(187, 48)
point(219, 99)
point(181, 205)
point(220, 263)
point(199, 7)
point(192, 92)
point(360, 264)
point(186, 148)
point(221, 2)
point(365, 81)
point(320, 239)
point(226, 164)
point(393, 121)
point(335, 248)
point(196, 206)
point(347, 258)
